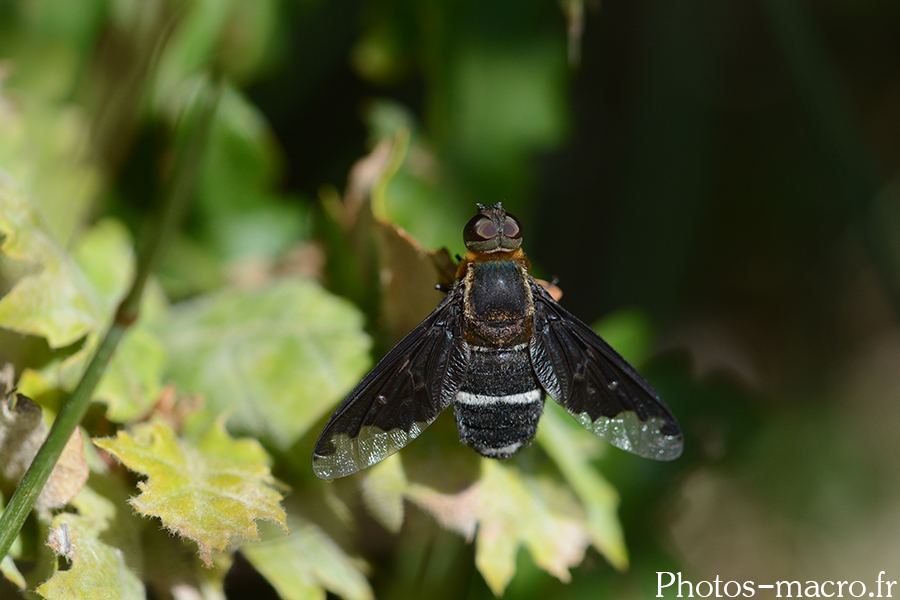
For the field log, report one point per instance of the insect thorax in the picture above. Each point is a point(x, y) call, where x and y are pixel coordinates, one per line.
point(498, 304)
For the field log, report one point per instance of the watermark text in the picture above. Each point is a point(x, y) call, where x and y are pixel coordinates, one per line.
point(673, 585)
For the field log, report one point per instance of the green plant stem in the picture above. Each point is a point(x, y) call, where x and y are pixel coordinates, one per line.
point(68, 418)
point(175, 201)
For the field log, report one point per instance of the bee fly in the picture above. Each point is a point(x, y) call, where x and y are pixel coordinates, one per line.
point(495, 346)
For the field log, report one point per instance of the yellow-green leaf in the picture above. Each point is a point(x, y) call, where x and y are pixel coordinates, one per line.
point(306, 564)
point(131, 384)
point(52, 299)
point(42, 141)
point(9, 570)
point(278, 357)
point(515, 511)
point(64, 298)
point(383, 487)
point(98, 570)
point(208, 491)
point(510, 509)
point(559, 435)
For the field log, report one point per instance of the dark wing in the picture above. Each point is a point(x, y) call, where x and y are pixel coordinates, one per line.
point(598, 387)
point(399, 398)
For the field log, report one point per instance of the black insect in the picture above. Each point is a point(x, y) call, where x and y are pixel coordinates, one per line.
point(494, 347)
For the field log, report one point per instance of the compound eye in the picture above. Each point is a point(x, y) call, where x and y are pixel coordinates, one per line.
point(512, 228)
point(479, 229)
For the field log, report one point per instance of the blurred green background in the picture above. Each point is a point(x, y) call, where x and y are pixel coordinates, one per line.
point(722, 177)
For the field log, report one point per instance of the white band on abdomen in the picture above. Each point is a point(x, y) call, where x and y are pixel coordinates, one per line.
point(529, 397)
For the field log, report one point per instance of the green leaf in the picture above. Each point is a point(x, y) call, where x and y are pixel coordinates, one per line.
point(560, 436)
point(235, 35)
point(105, 538)
point(63, 298)
point(629, 331)
point(53, 299)
point(9, 570)
point(306, 564)
point(420, 195)
point(42, 141)
point(105, 256)
point(240, 215)
point(131, 384)
point(279, 357)
point(383, 487)
point(7, 566)
point(519, 510)
point(207, 491)
point(98, 570)
point(510, 509)
point(508, 103)
point(103, 505)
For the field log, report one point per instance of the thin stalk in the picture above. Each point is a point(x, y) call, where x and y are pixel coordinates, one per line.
point(175, 201)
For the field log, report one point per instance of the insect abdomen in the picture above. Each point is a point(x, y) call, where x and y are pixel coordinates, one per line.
point(498, 406)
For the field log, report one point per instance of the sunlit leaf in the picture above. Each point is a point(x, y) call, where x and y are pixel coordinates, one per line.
point(559, 436)
point(208, 492)
point(97, 570)
point(63, 298)
point(132, 381)
point(523, 511)
point(53, 299)
point(506, 510)
point(306, 564)
point(383, 488)
point(42, 144)
point(278, 357)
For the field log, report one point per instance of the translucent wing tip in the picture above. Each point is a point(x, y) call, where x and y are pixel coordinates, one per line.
point(346, 455)
point(628, 432)
point(666, 448)
point(329, 468)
